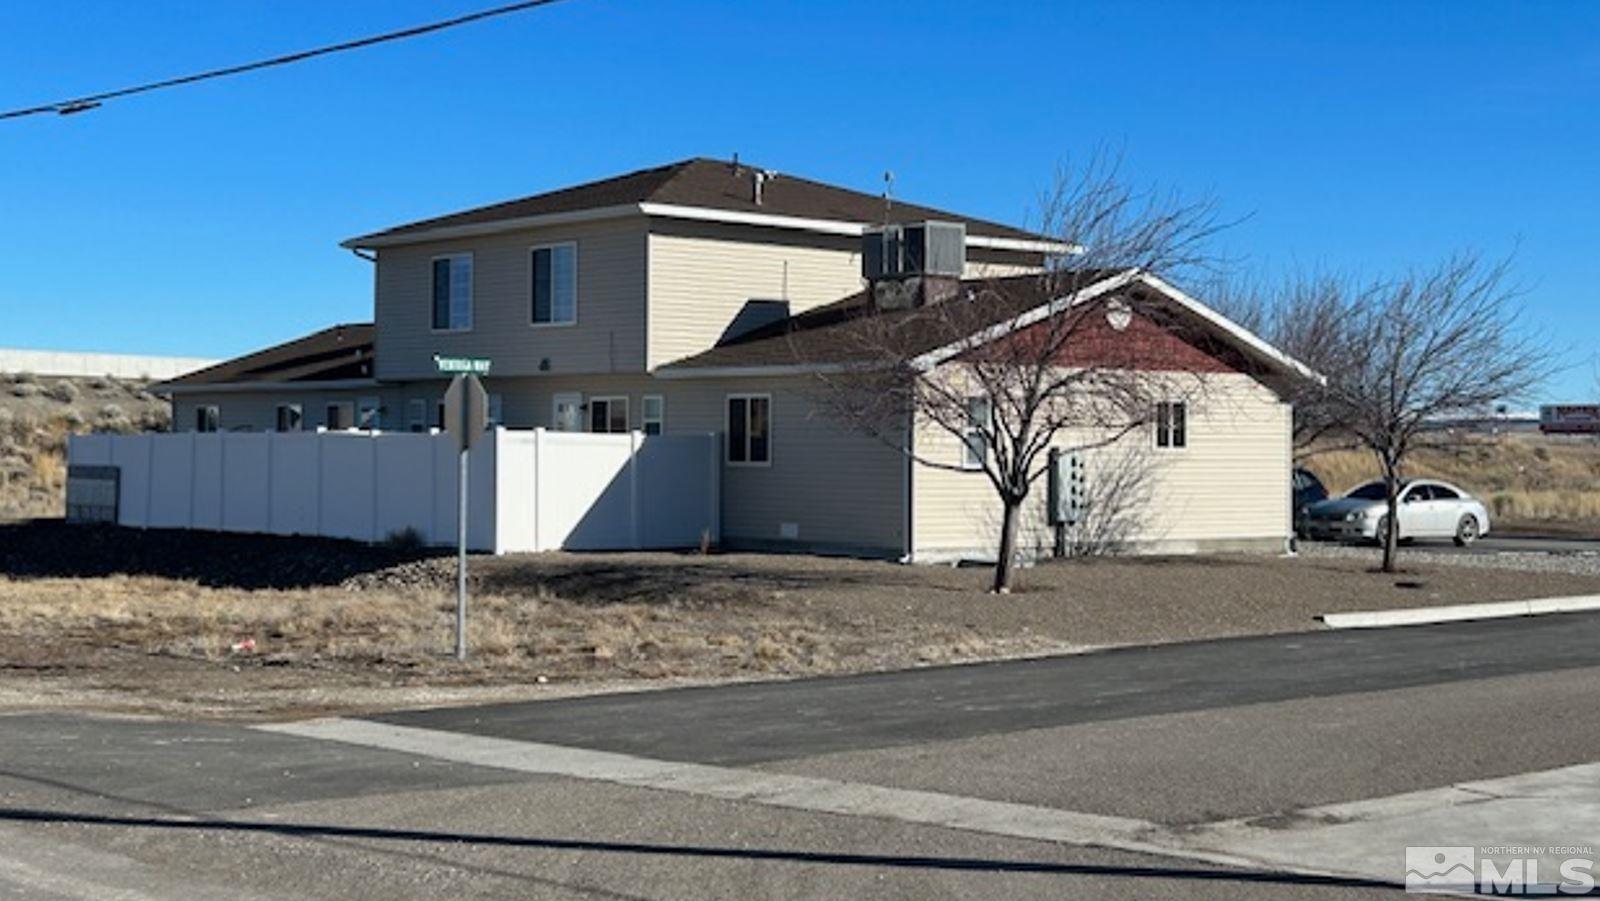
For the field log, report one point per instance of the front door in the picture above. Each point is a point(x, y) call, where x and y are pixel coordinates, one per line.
point(566, 412)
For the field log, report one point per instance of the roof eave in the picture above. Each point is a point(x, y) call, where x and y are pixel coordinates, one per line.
point(840, 227)
point(239, 387)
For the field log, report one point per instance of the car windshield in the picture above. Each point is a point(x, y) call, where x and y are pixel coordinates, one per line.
point(1372, 491)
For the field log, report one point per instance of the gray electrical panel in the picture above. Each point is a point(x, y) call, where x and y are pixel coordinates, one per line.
point(92, 493)
point(1068, 487)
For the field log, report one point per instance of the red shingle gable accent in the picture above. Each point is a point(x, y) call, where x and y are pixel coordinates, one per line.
point(1145, 345)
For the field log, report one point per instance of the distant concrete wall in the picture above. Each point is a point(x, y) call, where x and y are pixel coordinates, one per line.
point(122, 366)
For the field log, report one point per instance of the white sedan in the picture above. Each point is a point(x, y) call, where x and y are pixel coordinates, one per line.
point(1428, 509)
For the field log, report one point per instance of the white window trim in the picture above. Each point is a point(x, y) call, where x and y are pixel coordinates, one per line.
point(608, 400)
point(967, 464)
point(551, 246)
point(215, 417)
point(644, 416)
point(1155, 428)
point(277, 416)
point(727, 424)
point(472, 293)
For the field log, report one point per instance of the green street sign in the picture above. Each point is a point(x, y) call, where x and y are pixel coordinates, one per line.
point(468, 365)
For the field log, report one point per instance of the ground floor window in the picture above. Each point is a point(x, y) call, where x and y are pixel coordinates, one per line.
point(974, 446)
point(289, 418)
point(339, 416)
point(206, 418)
point(1172, 425)
point(749, 429)
point(417, 415)
point(608, 414)
point(653, 414)
point(369, 413)
point(496, 410)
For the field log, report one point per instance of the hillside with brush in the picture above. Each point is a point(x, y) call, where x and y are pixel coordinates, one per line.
point(37, 414)
point(1530, 481)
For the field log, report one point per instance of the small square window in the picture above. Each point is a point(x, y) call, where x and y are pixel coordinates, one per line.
point(1172, 425)
point(207, 418)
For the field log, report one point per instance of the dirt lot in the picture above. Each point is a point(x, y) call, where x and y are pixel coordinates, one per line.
point(130, 620)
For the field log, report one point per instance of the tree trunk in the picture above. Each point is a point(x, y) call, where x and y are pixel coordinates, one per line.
point(1006, 560)
point(1391, 532)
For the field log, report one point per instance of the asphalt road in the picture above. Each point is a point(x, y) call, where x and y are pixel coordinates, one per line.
point(1181, 737)
point(752, 723)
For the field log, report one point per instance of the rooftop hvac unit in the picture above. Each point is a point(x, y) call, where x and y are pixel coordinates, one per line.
point(919, 248)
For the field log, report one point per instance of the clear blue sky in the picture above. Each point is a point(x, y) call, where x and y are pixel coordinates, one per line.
point(205, 220)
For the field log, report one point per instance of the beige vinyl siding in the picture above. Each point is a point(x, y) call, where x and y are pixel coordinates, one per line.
point(1228, 487)
point(702, 275)
point(607, 337)
point(257, 411)
point(844, 491)
point(986, 263)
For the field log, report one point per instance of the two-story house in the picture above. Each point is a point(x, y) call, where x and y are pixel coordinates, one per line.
point(666, 300)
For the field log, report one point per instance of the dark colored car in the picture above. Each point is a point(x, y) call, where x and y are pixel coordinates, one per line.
point(1308, 490)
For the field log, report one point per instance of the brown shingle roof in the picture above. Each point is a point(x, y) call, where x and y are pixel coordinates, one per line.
point(835, 333)
point(711, 184)
point(335, 353)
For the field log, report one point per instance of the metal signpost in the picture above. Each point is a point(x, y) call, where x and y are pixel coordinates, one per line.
point(466, 415)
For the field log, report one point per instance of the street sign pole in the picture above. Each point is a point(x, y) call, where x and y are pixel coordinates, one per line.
point(466, 415)
point(461, 530)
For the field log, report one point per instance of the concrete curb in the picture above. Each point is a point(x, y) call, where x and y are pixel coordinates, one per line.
point(1416, 616)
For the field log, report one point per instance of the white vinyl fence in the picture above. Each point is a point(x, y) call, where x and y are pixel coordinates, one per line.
point(528, 491)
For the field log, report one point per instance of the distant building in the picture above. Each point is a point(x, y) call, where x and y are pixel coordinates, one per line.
point(1569, 419)
point(75, 363)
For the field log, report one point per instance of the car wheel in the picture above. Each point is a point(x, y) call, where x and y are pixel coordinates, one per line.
point(1466, 530)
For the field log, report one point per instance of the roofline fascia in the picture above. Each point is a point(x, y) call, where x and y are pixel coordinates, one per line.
point(775, 371)
point(595, 214)
point(839, 227)
point(245, 387)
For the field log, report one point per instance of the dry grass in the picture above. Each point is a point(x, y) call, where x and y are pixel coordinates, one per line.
point(1525, 479)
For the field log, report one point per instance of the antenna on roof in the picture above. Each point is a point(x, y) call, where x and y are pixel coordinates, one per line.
point(735, 165)
point(888, 193)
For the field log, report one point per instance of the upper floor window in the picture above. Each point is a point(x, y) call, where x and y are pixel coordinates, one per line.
point(452, 293)
point(1172, 425)
point(555, 284)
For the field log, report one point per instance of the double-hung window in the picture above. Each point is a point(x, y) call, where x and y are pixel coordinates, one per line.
point(652, 414)
point(289, 418)
point(452, 293)
point(555, 284)
point(369, 413)
point(206, 418)
point(1172, 425)
point(608, 414)
point(750, 429)
point(974, 444)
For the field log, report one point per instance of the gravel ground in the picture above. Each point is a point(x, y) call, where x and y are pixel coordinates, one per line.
point(145, 620)
point(1578, 564)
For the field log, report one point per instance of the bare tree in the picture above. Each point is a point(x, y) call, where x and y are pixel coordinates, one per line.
point(1013, 366)
point(1400, 356)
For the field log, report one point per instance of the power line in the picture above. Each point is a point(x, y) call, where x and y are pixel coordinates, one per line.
point(90, 101)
